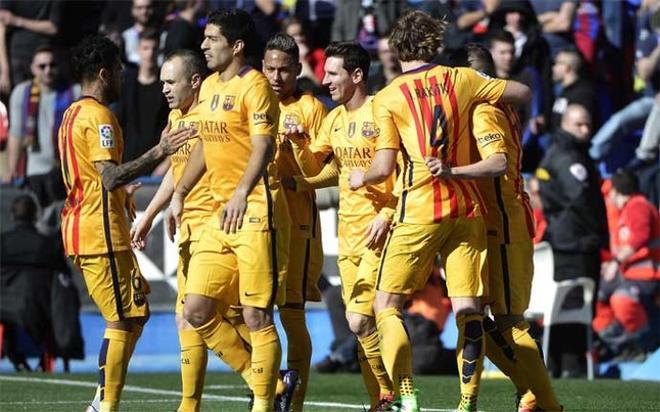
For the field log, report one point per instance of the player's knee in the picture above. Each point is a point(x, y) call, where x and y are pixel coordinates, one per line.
point(257, 318)
point(466, 306)
point(386, 300)
point(182, 323)
point(360, 325)
point(197, 314)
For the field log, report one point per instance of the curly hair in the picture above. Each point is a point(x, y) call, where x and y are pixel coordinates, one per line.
point(92, 54)
point(417, 36)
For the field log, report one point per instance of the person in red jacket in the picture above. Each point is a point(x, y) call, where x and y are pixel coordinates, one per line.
point(627, 309)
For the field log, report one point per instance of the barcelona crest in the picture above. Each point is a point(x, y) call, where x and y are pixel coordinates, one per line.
point(369, 129)
point(290, 120)
point(351, 129)
point(228, 104)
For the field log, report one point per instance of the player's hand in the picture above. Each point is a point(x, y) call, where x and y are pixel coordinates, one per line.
point(295, 134)
point(170, 140)
point(176, 207)
point(131, 209)
point(139, 233)
point(437, 167)
point(170, 224)
point(232, 215)
point(289, 183)
point(356, 179)
point(377, 232)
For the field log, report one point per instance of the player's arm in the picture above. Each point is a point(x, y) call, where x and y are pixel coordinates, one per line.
point(516, 93)
point(141, 229)
point(114, 176)
point(483, 88)
point(492, 166)
point(311, 156)
point(262, 153)
point(387, 147)
point(194, 170)
point(328, 177)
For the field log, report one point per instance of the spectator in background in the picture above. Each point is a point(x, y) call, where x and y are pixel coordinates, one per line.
point(36, 110)
point(634, 116)
point(627, 317)
point(556, 20)
point(312, 60)
point(28, 262)
point(473, 17)
point(184, 32)
point(143, 18)
point(567, 73)
point(27, 25)
point(569, 186)
point(143, 110)
point(387, 68)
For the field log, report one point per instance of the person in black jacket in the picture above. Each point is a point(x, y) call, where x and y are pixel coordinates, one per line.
point(29, 261)
point(574, 207)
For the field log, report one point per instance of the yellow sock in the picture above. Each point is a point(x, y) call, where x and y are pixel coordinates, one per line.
point(112, 367)
point(499, 350)
point(370, 345)
point(470, 353)
point(223, 339)
point(370, 381)
point(194, 357)
point(397, 353)
point(299, 350)
point(266, 357)
point(531, 361)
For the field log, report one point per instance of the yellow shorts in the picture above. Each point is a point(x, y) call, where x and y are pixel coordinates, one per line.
point(358, 281)
point(304, 270)
point(411, 249)
point(258, 259)
point(510, 273)
point(115, 285)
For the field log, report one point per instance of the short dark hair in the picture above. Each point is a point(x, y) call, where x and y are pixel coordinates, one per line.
point(481, 57)
point(501, 36)
point(92, 54)
point(44, 48)
point(625, 182)
point(149, 34)
point(284, 43)
point(354, 55)
point(192, 61)
point(577, 59)
point(236, 24)
point(24, 209)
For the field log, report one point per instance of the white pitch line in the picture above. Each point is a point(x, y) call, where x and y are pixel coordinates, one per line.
point(138, 389)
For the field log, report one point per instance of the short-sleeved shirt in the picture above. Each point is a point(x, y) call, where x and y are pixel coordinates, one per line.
point(198, 204)
point(506, 209)
point(308, 111)
point(94, 219)
point(233, 112)
point(351, 136)
point(425, 112)
point(41, 161)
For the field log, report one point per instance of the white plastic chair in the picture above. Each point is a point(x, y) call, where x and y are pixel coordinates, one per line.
point(548, 296)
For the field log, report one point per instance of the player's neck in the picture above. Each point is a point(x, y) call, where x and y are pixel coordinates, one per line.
point(95, 91)
point(186, 108)
point(233, 69)
point(357, 100)
point(412, 65)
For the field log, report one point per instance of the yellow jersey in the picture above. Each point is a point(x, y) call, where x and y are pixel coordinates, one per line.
point(94, 220)
point(507, 211)
point(198, 204)
point(350, 136)
point(424, 112)
point(308, 111)
point(233, 112)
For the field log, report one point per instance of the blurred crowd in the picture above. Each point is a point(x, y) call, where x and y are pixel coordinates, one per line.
point(593, 66)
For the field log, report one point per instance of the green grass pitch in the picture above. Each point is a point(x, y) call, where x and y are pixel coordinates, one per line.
point(342, 392)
